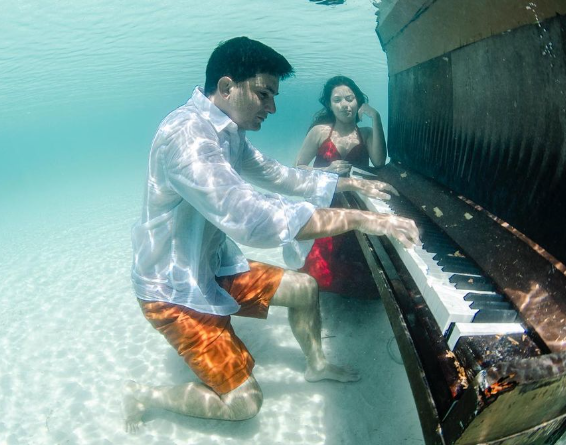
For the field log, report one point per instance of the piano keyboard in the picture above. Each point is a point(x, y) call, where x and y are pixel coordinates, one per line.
point(462, 300)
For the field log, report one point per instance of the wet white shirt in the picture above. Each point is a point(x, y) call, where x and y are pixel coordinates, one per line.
point(199, 198)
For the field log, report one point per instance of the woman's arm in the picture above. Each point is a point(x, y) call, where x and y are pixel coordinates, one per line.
point(309, 148)
point(375, 139)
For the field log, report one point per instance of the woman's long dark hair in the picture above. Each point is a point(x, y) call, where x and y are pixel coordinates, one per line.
point(326, 116)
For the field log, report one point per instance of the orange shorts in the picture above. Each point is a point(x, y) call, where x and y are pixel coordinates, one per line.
point(207, 342)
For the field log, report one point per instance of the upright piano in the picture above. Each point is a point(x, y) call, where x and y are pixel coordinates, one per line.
point(477, 140)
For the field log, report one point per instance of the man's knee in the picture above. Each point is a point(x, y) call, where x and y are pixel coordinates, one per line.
point(307, 289)
point(245, 401)
point(296, 290)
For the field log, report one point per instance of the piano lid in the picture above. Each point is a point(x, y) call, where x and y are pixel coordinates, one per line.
point(477, 102)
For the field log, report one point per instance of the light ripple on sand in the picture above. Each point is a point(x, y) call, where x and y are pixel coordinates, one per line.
point(72, 332)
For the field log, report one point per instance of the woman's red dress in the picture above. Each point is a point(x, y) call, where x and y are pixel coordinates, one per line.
point(337, 263)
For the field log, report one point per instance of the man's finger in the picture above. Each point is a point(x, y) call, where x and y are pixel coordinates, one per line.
point(392, 189)
point(380, 195)
point(389, 187)
point(404, 240)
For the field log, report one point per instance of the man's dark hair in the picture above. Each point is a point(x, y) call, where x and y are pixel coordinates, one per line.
point(241, 58)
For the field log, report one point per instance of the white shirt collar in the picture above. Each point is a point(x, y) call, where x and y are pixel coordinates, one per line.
point(215, 115)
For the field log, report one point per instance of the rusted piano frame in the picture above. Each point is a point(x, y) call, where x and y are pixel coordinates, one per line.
point(512, 402)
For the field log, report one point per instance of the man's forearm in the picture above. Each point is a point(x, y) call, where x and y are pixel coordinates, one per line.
point(330, 222)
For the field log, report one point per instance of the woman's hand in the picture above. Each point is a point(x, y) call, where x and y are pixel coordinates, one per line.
point(342, 168)
point(369, 111)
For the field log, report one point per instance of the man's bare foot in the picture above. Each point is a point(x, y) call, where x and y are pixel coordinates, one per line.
point(132, 408)
point(331, 372)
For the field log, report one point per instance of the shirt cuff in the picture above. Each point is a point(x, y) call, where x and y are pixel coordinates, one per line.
point(294, 251)
point(325, 187)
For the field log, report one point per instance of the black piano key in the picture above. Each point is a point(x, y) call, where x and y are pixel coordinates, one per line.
point(481, 305)
point(492, 308)
point(420, 218)
point(433, 247)
point(495, 316)
point(411, 214)
point(423, 225)
point(452, 264)
point(437, 237)
point(491, 296)
point(477, 283)
point(462, 269)
point(429, 229)
point(444, 260)
point(421, 221)
point(442, 247)
point(450, 256)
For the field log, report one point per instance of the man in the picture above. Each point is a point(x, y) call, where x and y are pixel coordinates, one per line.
point(188, 274)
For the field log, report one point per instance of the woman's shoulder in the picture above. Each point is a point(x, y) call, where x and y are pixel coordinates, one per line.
point(320, 130)
point(322, 127)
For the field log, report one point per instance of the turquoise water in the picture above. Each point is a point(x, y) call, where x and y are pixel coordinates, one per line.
point(85, 83)
point(83, 86)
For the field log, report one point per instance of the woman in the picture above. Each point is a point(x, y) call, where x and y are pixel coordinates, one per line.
point(334, 140)
point(336, 143)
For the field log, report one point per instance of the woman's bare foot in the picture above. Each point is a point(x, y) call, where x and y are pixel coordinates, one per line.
point(331, 372)
point(132, 408)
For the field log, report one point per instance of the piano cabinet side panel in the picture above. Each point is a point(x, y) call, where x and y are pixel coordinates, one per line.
point(388, 285)
point(522, 402)
point(488, 120)
point(424, 400)
point(546, 434)
point(514, 418)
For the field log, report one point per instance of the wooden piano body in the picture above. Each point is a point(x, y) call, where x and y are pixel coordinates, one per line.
point(477, 140)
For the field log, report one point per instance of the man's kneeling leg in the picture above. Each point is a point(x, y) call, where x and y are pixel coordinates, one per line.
point(191, 399)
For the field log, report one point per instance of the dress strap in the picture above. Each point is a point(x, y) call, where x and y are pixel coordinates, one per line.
point(329, 137)
point(360, 137)
point(331, 130)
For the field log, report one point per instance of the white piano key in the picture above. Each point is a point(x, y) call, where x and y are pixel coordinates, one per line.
point(444, 300)
point(457, 308)
point(375, 205)
point(471, 329)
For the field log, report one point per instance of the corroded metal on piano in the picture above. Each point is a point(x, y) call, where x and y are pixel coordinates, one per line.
point(477, 94)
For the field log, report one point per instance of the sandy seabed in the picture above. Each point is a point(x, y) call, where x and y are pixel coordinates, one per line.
point(72, 333)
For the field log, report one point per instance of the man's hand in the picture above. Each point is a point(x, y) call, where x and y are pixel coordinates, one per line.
point(332, 222)
point(373, 188)
point(403, 229)
point(341, 168)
